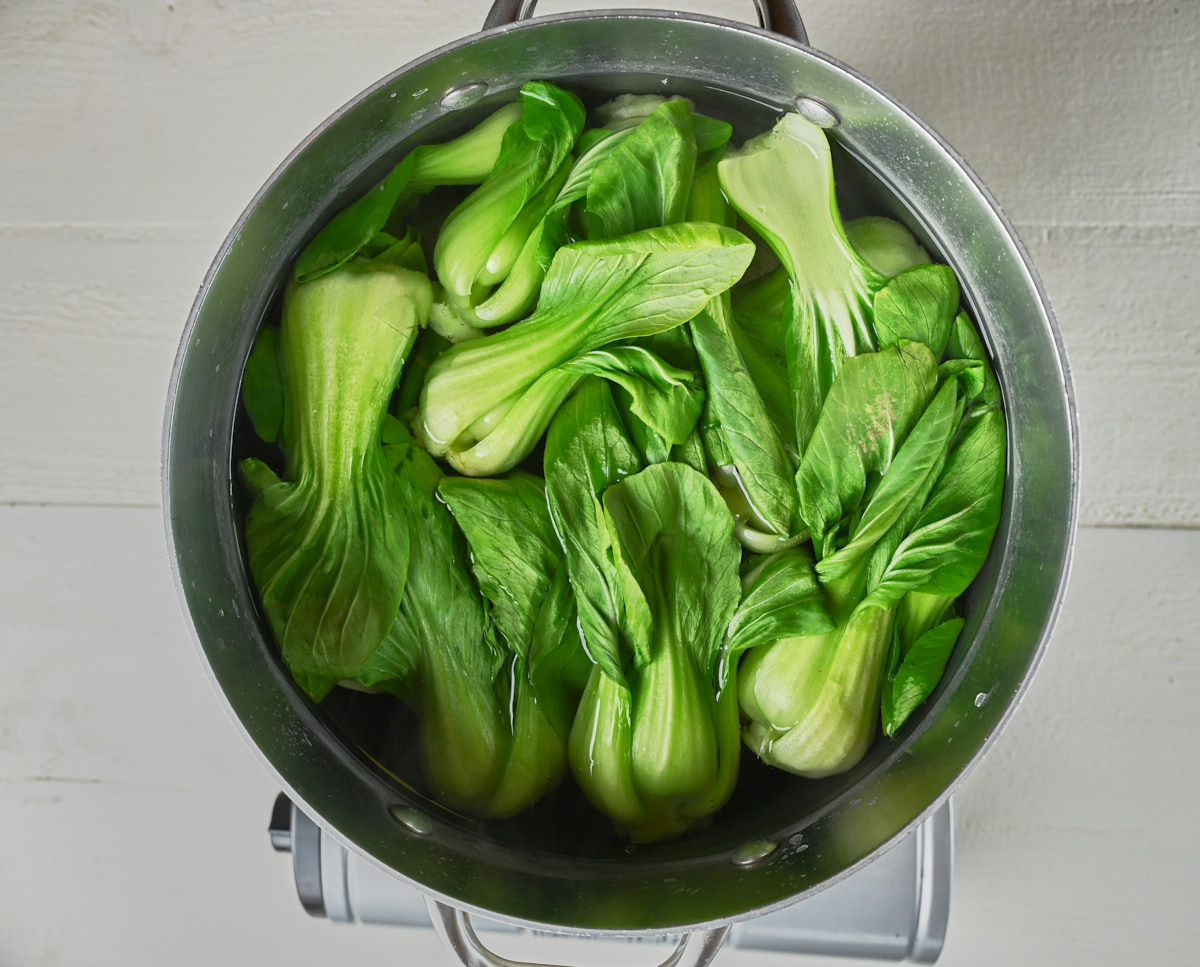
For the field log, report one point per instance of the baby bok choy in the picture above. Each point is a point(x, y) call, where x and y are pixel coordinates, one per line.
point(770, 470)
point(441, 655)
point(518, 563)
point(900, 487)
point(487, 401)
point(327, 544)
point(655, 740)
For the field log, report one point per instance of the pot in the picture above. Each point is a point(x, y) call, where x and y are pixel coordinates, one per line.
point(781, 837)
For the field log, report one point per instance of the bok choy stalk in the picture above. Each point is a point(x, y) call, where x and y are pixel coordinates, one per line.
point(465, 160)
point(326, 541)
point(487, 401)
point(518, 563)
point(653, 564)
point(489, 243)
point(782, 183)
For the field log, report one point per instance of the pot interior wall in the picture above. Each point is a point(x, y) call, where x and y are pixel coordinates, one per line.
point(351, 761)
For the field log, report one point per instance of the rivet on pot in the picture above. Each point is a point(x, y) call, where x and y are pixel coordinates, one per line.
point(817, 111)
point(754, 851)
point(411, 819)
point(464, 95)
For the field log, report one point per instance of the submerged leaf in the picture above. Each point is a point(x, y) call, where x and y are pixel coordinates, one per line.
point(918, 674)
point(262, 386)
point(782, 599)
point(587, 451)
point(919, 304)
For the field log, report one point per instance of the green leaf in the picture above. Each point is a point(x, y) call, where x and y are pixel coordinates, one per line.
point(691, 452)
point(875, 402)
point(587, 451)
point(676, 560)
point(558, 666)
point(919, 304)
point(349, 231)
point(646, 179)
point(761, 311)
point(593, 147)
point(514, 550)
point(951, 538)
point(710, 133)
point(918, 461)
point(964, 343)
point(781, 599)
point(749, 433)
point(262, 386)
point(664, 397)
point(918, 674)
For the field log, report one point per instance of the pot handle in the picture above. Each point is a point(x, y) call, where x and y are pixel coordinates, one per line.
point(460, 940)
point(779, 16)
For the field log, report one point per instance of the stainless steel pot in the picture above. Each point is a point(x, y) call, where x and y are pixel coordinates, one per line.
point(780, 838)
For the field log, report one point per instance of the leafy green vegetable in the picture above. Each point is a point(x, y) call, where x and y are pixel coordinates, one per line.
point(813, 701)
point(483, 238)
point(876, 400)
point(916, 671)
point(781, 598)
point(595, 293)
point(587, 451)
point(918, 304)
point(441, 655)
point(782, 184)
point(352, 229)
point(902, 486)
point(758, 459)
point(709, 406)
point(516, 559)
point(465, 160)
point(664, 397)
point(327, 546)
point(645, 181)
point(674, 756)
point(885, 245)
point(262, 386)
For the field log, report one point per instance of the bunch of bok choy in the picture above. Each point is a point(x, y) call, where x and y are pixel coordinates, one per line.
point(609, 449)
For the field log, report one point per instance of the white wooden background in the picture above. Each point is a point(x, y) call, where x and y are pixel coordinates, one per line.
point(132, 134)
